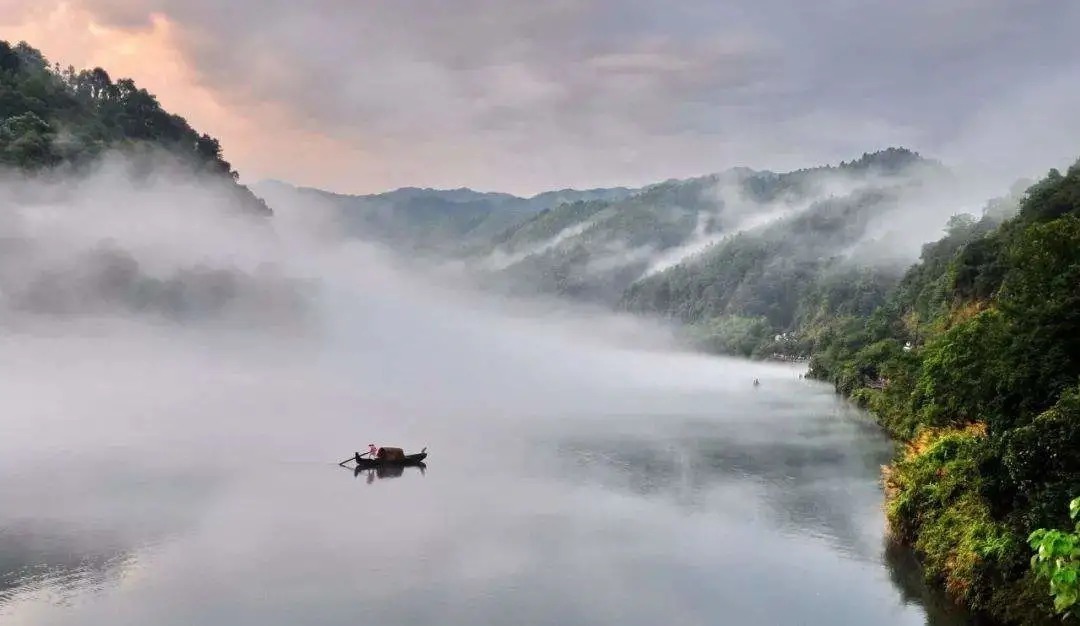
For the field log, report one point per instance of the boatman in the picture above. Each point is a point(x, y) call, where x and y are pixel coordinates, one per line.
point(372, 450)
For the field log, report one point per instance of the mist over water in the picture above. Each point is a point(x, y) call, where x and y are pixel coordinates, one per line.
point(179, 383)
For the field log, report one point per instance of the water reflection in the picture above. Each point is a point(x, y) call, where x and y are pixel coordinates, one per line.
point(762, 517)
point(53, 565)
point(67, 534)
point(387, 471)
point(907, 575)
point(803, 481)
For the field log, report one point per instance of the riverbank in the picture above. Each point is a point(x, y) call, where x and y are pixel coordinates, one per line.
point(934, 504)
point(940, 487)
point(972, 363)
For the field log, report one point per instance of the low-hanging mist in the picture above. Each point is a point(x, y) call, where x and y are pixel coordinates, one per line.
point(132, 293)
point(743, 257)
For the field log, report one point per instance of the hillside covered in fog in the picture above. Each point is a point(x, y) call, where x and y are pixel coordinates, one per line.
point(84, 160)
point(738, 257)
point(595, 251)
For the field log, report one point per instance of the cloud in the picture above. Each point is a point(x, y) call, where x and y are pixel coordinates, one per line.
point(527, 96)
point(501, 259)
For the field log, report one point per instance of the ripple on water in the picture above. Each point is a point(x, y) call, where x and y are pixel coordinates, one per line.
point(63, 584)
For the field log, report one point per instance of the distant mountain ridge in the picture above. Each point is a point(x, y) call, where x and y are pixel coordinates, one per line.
point(616, 246)
point(434, 220)
point(596, 250)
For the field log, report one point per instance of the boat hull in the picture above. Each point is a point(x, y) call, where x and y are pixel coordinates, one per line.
point(410, 459)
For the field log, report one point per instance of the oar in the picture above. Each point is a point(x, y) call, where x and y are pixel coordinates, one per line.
point(355, 457)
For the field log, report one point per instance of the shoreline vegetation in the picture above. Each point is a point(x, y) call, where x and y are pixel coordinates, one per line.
point(972, 363)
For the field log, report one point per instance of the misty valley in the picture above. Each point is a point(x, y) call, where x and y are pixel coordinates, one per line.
point(837, 394)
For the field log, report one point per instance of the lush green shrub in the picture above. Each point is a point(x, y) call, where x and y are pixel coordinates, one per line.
point(1057, 560)
point(1041, 463)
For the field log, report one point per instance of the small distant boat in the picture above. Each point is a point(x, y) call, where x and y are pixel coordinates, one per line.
point(388, 457)
point(408, 459)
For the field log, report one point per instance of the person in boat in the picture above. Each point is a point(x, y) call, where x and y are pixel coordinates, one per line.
point(372, 451)
point(756, 383)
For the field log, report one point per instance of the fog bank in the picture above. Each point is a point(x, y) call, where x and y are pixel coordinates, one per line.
point(144, 315)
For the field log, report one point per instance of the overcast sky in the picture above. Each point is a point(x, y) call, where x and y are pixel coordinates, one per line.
point(522, 96)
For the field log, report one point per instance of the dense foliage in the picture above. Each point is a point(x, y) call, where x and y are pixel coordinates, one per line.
point(51, 117)
point(1057, 559)
point(792, 273)
point(975, 359)
point(816, 262)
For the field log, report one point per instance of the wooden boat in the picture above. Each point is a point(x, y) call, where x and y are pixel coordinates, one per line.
point(390, 460)
point(408, 459)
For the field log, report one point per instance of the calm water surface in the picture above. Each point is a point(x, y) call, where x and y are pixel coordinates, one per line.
point(733, 505)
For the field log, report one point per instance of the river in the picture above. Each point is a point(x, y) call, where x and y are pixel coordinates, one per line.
point(161, 473)
point(216, 504)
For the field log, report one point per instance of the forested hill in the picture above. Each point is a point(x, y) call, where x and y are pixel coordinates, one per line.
point(442, 221)
point(772, 290)
point(974, 358)
point(58, 118)
point(595, 250)
point(61, 128)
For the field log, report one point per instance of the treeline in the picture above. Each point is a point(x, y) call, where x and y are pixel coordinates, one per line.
point(770, 290)
point(974, 360)
point(51, 117)
point(599, 250)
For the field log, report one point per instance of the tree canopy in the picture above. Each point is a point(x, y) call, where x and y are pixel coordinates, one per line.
point(987, 389)
point(51, 117)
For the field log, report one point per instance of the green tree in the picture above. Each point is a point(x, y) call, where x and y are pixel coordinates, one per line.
point(26, 140)
point(1057, 559)
point(51, 116)
point(962, 370)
